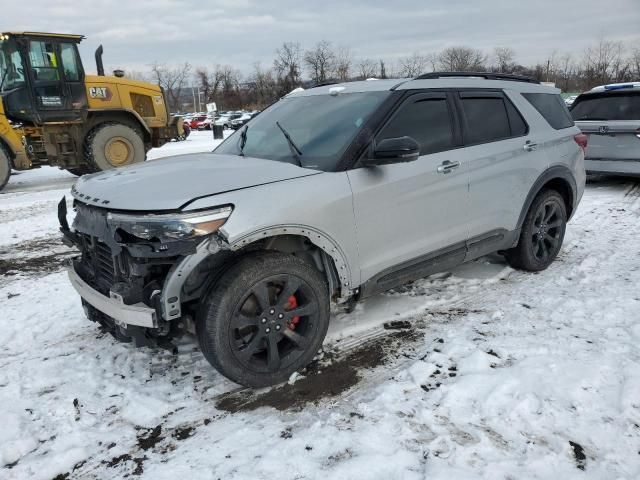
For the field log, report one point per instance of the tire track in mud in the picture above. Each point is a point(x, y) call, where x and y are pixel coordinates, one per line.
point(18, 260)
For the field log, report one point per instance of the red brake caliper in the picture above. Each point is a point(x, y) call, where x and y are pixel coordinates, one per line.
point(292, 302)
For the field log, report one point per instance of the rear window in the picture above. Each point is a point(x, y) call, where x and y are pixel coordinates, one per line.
point(552, 108)
point(607, 106)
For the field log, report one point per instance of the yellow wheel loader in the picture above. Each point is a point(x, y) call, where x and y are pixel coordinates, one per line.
point(52, 113)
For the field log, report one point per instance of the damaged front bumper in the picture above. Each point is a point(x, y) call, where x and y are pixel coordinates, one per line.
point(123, 315)
point(138, 288)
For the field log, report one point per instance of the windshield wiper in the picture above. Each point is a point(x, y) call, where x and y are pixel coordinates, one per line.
point(243, 140)
point(294, 148)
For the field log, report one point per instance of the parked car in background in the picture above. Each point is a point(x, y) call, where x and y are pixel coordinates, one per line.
point(239, 122)
point(227, 120)
point(195, 121)
point(570, 99)
point(409, 178)
point(610, 115)
point(206, 123)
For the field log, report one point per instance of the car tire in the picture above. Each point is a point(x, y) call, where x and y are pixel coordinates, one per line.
point(5, 167)
point(112, 145)
point(247, 325)
point(542, 233)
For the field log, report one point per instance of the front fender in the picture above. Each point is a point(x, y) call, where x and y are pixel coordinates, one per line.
point(318, 238)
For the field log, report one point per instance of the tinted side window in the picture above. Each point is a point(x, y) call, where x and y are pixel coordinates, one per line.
point(44, 61)
point(426, 120)
point(487, 119)
point(552, 108)
point(69, 62)
point(517, 123)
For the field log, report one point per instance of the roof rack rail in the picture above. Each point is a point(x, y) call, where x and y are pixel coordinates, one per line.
point(324, 84)
point(485, 75)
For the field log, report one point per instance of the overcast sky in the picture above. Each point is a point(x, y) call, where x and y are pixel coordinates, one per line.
point(136, 33)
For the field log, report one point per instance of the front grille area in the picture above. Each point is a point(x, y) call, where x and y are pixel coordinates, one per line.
point(98, 266)
point(104, 263)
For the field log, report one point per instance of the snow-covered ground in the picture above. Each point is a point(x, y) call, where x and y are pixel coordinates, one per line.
point(495, 374)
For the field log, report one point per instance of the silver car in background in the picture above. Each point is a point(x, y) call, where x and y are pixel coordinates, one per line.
point(610, 115)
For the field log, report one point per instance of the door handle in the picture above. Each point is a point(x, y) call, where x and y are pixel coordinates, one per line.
point(447, 166)
point(529, 146)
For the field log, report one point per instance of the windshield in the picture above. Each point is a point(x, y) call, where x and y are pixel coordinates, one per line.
point(11, 69)
point(613, 106)
point(320, 126)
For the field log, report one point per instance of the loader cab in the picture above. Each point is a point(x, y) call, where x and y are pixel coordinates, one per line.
point(41, 77)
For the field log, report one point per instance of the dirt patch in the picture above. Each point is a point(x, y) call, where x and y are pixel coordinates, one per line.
point(138, 463)
point(149, 438)
point(42, 255)
point(44, 264)
point(578, 455)
point(182, 433)
point(323, 379)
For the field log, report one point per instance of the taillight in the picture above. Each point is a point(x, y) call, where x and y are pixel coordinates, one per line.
point(582, 140)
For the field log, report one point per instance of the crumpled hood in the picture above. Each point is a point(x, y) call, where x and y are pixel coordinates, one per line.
point(171, 183)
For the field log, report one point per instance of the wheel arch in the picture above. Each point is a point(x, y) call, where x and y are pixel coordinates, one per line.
point(288, 238)
point(196, 274)
point(558, 178)
point(126, 117)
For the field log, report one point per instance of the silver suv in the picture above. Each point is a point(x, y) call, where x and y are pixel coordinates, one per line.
point(332, 194)
point(610, 115)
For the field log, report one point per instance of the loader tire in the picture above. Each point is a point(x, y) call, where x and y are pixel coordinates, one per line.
point(5, 167)
point(79, 171)
point(113, 145)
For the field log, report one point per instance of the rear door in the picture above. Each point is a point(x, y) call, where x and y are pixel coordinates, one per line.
point(612, 121)
point(506, 156)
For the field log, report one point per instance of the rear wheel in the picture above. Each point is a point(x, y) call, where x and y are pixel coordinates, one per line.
point(542, 233)
point(5, 167)
point(265, 318)
point(112, 145)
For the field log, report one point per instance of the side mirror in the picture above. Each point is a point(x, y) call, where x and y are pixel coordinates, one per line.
point(394, 150)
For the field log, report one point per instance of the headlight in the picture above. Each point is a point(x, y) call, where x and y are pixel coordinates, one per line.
point(171, 226)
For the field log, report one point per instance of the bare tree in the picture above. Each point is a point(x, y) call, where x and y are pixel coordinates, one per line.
point(287, 66)
point(462, 59)
point(565, 72)
point(367, 68)
point(604, 63)
point(262, 87)
point(209, 81)
point(634, 62)
point(413, 66)
point(504, 59)
point(173, 80)
point(321, 61)
point(343, 63)
point(383, 69)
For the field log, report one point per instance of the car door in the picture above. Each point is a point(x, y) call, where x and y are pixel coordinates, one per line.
point(412, 216)
point(506, 156)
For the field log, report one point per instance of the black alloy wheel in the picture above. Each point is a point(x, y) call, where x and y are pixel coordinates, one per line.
point(542, 233)
point(264, 318)
point(274, 323)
